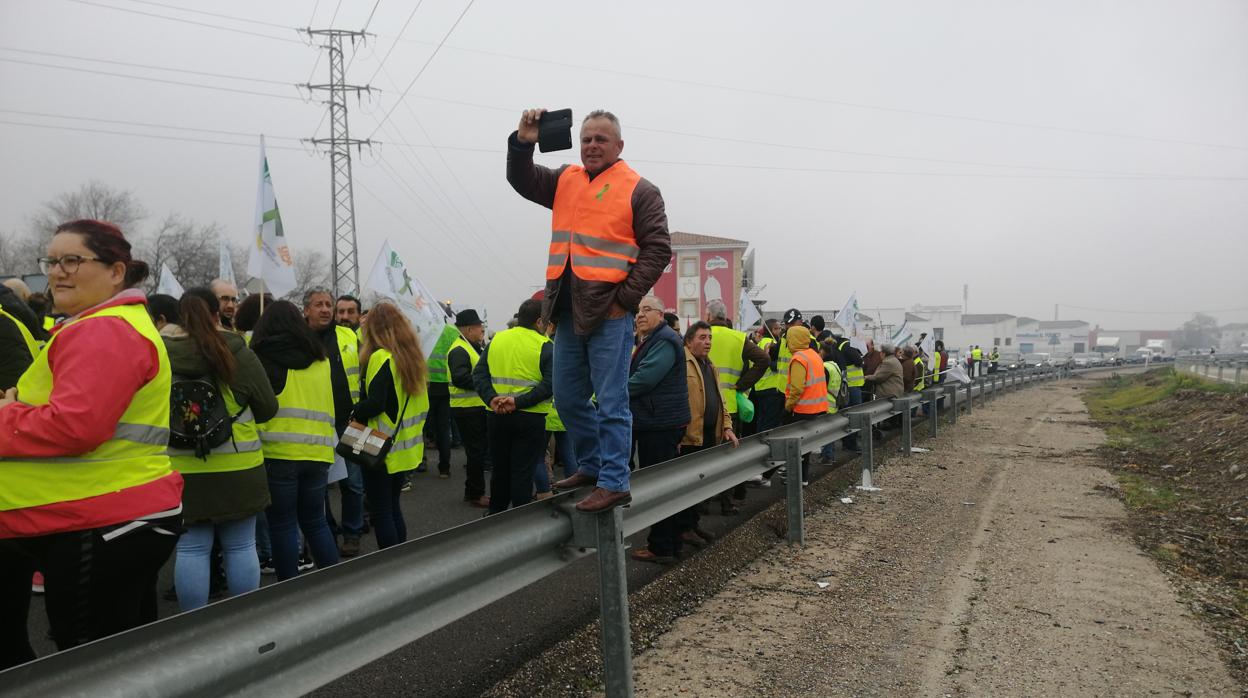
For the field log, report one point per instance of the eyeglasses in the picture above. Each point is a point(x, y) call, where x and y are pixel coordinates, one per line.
point(68, 264)
point(648, 309)
point(228, 299)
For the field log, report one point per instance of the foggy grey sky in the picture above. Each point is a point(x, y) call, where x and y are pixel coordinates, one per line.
point(1145, 210)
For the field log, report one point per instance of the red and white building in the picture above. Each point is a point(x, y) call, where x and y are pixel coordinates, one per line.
point(703, 268)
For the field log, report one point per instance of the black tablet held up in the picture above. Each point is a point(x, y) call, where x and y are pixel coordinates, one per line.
point(554, 130)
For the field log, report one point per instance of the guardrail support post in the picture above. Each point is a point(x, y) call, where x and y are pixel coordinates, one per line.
point(905, 404)
point(970, 396)
point(617, 651)
point(862, 422)
point(1239, 371)
point(789, 450)
point(952, 392)
point(1219, 371)
point(933, 402)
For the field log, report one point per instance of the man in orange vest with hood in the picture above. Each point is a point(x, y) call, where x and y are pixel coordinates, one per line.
point(609, 244)
point(806, 392)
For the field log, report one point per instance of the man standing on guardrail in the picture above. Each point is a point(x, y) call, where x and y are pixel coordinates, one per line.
point(609, 244)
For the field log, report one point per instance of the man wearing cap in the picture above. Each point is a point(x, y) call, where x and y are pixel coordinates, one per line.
point(466, 406)
point(609, 245)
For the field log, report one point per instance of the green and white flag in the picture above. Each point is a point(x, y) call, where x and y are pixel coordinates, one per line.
point(270, 259)
point(391, 279)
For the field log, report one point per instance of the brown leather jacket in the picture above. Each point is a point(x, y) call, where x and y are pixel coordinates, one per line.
point(697, 405)
point(592, 300)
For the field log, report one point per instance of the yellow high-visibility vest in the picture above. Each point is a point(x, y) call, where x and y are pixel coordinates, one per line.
point(515, 360)
point(834, 384)
point(726, 347)
point(408, 450)
point(459, 396)
point(303, 428)
point(134, 456)
point(349, 349)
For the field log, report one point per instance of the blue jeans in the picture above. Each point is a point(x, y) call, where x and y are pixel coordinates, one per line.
point(297, 489)
point(541, 476)
point(564, 453)
point(383, 494)
point(264, 544)
point(596, 365)
point(238, 547)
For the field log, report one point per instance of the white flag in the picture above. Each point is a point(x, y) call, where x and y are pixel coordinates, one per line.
point(847, 318)
point(903, 335)
point(270, 259)
point(747, 313)
point(168, 284)
point(391, 279)
point(225, 265)
point(928, 345)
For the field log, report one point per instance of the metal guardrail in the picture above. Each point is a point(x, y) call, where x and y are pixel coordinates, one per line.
point(292, 637)
point(1230, 369)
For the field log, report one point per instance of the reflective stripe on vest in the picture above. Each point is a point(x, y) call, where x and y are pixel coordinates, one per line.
point(726, 347)
point(854, 377)
point(784, 356)
point(592, 224)
point(515, 360)
point(771, 379)
point(303, 428)
point(241, 452)
point(814, 397)
point(349, 349)
point(408, 450)
point(919, 383)
point(834, 384)
point(935, 367)
point(32, 345)
point(134, 455)
point(459, 396)
point(439, 372)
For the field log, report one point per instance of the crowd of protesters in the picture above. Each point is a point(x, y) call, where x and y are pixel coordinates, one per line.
point(211, 428)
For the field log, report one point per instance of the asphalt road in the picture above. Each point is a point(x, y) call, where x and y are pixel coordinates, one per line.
point(466, 657)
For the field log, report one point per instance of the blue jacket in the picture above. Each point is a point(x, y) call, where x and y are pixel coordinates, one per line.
point(665, 405)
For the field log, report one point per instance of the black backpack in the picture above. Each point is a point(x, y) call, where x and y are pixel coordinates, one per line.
point(198, 418)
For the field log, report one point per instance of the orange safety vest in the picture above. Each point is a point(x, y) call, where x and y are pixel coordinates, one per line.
point(592, 223)
point(814, 397)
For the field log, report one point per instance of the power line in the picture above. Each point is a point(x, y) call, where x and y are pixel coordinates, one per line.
point(850, 105)
point(709, 85)
point(143, 65)
point(143, 124)
point(218, 15)
point(150, 79)
point(186, 21)
point(395, 43)
point(146, 135)
point(429, 60)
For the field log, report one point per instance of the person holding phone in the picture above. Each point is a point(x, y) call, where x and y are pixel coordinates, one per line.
point(609, 244)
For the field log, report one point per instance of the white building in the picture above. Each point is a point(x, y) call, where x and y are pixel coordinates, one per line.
point(1058, 337)
point(1233, 338)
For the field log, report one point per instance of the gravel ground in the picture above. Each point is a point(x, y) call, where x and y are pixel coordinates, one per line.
point(992, 565)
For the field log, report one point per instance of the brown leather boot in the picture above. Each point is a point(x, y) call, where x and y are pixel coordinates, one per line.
point(577, 480)
point(601, 500)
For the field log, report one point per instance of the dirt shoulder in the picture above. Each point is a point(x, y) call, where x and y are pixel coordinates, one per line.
point(993, 565)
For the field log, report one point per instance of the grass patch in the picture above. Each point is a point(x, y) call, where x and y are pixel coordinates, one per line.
point(1139, 493)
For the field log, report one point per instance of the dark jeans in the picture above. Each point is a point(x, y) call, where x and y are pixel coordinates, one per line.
point(383, 490)
point(564, 455)
point(297, 490)
point(654, 447)
point(792, 418)
point(768, 409)
point(855, 398)
point(517, 443)
point(472, 427)
point(94, 588)
point(438, 425)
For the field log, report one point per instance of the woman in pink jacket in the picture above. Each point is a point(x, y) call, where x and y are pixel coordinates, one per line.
point(87, 494)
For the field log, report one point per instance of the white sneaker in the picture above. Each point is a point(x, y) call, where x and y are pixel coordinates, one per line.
point(765, 483)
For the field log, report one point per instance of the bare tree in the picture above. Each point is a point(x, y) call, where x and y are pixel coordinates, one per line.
point(190, 250)
point(18, 253)
point(92, 200)
point(311, 271)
